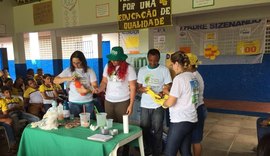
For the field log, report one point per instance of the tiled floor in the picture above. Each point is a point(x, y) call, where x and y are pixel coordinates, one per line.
point(229, 135)
point(224, 135)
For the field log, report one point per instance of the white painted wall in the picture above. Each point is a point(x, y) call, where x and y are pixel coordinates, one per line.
point(23, 16)
point(6, 17)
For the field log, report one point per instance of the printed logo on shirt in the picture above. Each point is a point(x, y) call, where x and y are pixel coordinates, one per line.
point(150, 80)
point(195, 91)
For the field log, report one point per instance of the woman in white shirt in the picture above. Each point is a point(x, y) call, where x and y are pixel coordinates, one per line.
point(182, 101)
point(83, 83)
point(119, 83)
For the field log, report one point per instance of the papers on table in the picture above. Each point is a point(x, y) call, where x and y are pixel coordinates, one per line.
point(100, 137)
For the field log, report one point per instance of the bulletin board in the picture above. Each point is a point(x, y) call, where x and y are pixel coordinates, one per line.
point(232, 42)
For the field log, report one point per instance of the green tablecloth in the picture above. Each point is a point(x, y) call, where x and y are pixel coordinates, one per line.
point(69, 142)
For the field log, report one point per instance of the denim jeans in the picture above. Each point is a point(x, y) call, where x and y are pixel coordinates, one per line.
point(10, 132)
point(17, 115)
point(197, 133)
point(152, 126)
point(76, 108)
point(179, 138)
point(261, 131)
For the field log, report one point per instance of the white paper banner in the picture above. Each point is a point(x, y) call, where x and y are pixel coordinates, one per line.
point(234, 42)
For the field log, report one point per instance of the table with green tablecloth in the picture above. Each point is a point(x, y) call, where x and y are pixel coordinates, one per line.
point(71, 142)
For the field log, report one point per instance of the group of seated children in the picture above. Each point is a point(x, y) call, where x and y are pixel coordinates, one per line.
point(25, 101)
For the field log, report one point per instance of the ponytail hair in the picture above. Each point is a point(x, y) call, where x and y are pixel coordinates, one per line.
point(181, 58)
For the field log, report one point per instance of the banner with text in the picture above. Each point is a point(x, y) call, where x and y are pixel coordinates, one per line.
point(139, 14)
point(234, 42)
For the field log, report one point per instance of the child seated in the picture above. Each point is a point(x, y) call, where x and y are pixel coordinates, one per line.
point(33, 99)
point(6, 122)
point(16, 109)
point(48, 92)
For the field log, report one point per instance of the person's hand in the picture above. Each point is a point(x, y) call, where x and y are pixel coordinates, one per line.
point(166, 89)
point(72, 78)
point(99, 90)
point(95, 90)
point(129, 110)
point(82, 90)
point(6, 120)
point(264, 123)
point(142, 89)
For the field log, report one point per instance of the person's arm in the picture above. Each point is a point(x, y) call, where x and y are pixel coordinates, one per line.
point(103, 85)
point(59, 80)
point(132, 87)
point(5, 119)
point(44, 95)
point(141, 89)
point(84, 90)
point(170, 101)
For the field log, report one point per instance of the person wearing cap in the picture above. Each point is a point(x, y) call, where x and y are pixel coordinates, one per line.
point(119, 85)
point(197, 133)
point(82, 83)
point(154, 76)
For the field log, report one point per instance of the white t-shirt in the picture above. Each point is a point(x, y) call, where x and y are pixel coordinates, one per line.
point(118, 90)
point(185, 88)
point(201, 87)
point(85, 78)
point(156, 79)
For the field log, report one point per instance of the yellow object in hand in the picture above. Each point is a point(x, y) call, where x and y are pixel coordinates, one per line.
point(157, 98)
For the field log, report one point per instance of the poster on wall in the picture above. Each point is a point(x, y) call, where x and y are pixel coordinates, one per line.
point(202, 3)
point(129, 40)
point(102, 10)
point(160, 38)
point(229, 42)
point(134, 14)
point(43, 13)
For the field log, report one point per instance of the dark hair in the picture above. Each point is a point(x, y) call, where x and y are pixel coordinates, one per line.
point(8, 79)
point(39, 69)
point(81, 57)
point(27, 80)
point(154, 52)
point(46, 75)
point(263, 148)
point(5, 68)
point(5, 88)
point(17, 78)
point(29, 70)
point(181, 58)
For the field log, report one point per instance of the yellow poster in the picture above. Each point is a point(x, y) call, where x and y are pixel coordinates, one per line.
point(248, 47)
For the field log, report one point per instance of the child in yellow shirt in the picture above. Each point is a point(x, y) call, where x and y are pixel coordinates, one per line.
point(16, 109)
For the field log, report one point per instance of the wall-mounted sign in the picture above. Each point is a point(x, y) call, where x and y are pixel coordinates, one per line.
point(2, 29)
point(248, 47)
point(102, 10)
point(134, 14)
point(202, 3)
point(43, 13)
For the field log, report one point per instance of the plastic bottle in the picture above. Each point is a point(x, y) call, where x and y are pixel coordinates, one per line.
point(66, 111)
point(60, 112)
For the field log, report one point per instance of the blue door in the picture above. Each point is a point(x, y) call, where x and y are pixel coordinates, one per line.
point(106, 48)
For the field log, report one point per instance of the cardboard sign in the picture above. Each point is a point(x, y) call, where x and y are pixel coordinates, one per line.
point(134, 14)
point(43, 13)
